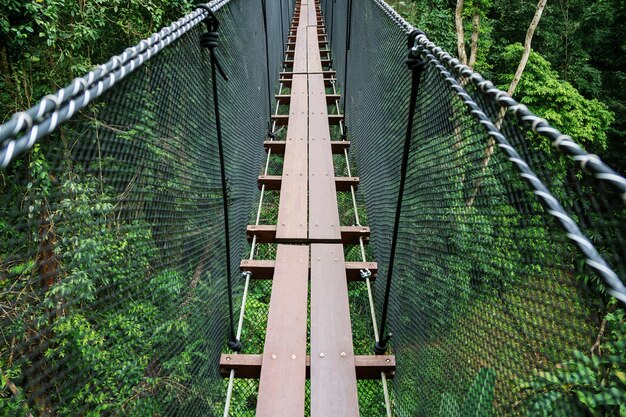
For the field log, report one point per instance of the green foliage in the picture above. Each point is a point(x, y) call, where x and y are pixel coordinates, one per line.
point(556, 100)
point(582, 41)
point(479, 399)
point(45, 44)
point(589, 384)
point(431, 16)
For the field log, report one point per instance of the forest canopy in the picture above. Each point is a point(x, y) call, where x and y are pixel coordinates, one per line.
point(576, 77)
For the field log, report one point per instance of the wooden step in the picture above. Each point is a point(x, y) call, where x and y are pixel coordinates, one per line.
point(321, 42)
point(291, 52)
point(289, 63)
point(273, 182)
point(350, 235)
point(249, 366)
point(278, 146)
point(287, 74)
point(292, 38)
point(264, 269)
point(328, 82)
point(286, 98)
point(283, 119)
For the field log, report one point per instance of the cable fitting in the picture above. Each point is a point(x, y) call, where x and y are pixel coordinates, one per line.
point(414, 61)
point(380, 347)
point(210, 39)
point(235, 345)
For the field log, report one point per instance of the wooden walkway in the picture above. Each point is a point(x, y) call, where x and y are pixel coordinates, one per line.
point(310, 250)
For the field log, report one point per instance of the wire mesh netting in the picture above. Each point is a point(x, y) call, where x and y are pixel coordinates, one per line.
point(493, 307)
point(113, 275)
point(112, 267)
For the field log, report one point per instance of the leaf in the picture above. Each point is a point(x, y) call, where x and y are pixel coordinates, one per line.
point(543, 404)
point(621, 375)
point(479, 400)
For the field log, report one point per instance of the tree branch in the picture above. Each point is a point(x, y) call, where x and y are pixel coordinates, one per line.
point(527, 44)
point(474, 41)
point(516, 79)
point(460, 31)
point(596, 345)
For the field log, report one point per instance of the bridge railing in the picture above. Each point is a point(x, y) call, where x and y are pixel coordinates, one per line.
point(112, 266)
point(510, 243)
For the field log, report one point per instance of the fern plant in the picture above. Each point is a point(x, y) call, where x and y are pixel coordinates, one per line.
point(590, 384)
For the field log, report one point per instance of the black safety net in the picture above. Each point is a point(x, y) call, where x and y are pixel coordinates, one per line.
point(508, 245)
point(113, 276)
point(505, 295)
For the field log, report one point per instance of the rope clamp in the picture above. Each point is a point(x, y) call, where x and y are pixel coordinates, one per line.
point(413, 60)
point(365, 273)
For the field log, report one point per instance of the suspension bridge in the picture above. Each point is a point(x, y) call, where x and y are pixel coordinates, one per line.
point(282, 208)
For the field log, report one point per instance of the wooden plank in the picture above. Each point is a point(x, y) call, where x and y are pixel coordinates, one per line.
point(283, 374)
point(312, 17)
point(283, 119)
point(322, 43)
point(287, 82)
point(278, 146)
point(249, 365)
point(333, 375)
point(274, 182)
point(264, 269)
point(299, 62)
point(324, 53)
point(292, 223)
point(266, 233)
point(334, 119)
point(260, 268)
point(292, 212)
point(323, 212)
point(290, 63)
point(344, 183)
point(313, 51)
point(286, 99)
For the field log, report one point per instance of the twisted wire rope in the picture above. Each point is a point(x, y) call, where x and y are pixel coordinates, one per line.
point(24, 128)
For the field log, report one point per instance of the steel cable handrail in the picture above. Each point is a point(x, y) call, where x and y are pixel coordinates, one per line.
point(24, 128)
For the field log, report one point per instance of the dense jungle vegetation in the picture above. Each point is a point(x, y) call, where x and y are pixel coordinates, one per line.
point(574, 78)
point(576, 75)
point(144, 356)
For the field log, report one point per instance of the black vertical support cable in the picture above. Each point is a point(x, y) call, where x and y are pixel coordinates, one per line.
point(332, 21)
point(416, 66)
point(210, 40)
point(282, 28)
point(267, 65)
point(344, 88)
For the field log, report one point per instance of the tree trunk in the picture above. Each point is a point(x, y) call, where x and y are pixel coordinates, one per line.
point(460, 31)
point(527, 44)
point(516, 79)
point(474, 44)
